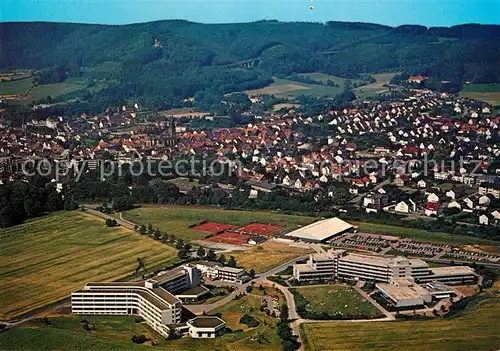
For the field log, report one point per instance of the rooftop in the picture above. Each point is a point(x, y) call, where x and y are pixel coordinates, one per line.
point(165, 277)
point(451, 270)
point(196, 291)
point(402, 292)
point(206, 322)
point(321, 230)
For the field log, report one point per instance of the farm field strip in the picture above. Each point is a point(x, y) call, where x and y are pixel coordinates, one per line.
point(49, 257)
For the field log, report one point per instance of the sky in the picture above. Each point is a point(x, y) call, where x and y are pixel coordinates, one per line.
point(388, 12)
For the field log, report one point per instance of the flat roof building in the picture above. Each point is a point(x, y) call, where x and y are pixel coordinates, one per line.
point(404, 292)
point(206, 327)
point(341, 264)
point(321, 231)
point(157, 300)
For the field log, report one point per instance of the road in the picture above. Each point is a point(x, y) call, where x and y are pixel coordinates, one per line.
point(121, 221)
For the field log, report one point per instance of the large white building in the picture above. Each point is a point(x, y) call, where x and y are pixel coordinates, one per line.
point(321, 231)
point(156, 299)
point(341, 264)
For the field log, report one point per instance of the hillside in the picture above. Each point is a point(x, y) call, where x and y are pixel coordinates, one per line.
point(209, 60)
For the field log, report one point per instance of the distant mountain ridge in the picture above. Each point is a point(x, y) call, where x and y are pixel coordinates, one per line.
point(194, 58)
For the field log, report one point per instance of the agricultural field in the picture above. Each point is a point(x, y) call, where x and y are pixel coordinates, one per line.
point(376, 88)
point(475, 328)
point(39, 92)
point(489, 93)
point(268, 255)
point(288, 106)
point(422, 235)
point(178, 219)
point(322, 77)
point(337, 301)
point(45, 259)
point(19, 86)
point(67, 333)
point(293, 89)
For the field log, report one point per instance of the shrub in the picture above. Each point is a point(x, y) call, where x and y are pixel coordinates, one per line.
point(249, 320)
point(139, 339)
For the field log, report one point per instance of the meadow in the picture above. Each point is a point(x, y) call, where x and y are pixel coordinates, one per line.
point(337, 301)
point(268, 255)
point(247, 339)
point(178, 219)
point(475, 328)
point(45, 259)
point(489, 93)
point(289, 88)
point(115, 332)
point(18, 86)
point(376, 88)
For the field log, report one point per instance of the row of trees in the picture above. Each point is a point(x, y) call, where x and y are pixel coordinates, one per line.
point(20, 201)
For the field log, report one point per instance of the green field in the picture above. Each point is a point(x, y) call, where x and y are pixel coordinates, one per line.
point(19, 86)
point(177, 219)
point(241, 341)
point(67, 333)
point(489, 93)
point(39, 92)
point(338, 301)
point(475, 328)
point(374, 89)
point(45, 259)
point(422, 235)
point(293, 89)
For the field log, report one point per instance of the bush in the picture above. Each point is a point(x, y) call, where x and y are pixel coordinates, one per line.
point(139, 339)
point(249, 289)
point(249, 320)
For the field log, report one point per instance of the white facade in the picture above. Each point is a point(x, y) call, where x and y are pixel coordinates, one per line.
point(341, 264)
point(206, 327)
point(153, 300)
point(158, 307)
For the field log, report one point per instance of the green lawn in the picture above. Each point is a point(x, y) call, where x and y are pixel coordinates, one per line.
point(67, 333)
point(241, 341)
point(289, 88)
point(489, 93)
point(421, 235)
point(374, 89)
point(338, 301)
point(475, 328)
point(45, 259)
point(177, 219)
point(19, 86)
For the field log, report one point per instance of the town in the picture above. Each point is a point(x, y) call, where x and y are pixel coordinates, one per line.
point(239, 176)
point(426, 162)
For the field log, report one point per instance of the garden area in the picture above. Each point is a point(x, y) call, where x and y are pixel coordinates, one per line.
point(333, 302)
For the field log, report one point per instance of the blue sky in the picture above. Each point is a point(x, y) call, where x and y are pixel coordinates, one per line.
point(425, 12)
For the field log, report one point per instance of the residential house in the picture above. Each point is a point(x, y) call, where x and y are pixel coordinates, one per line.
point(432, 209)
point(406, 206)
point(493, 189)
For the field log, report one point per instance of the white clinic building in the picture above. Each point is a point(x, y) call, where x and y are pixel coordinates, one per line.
point(342, 264)
point(154, 300)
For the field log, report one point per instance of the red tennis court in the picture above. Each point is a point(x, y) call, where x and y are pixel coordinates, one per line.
point(230, 238)
point(213, 227)
point(260, 228)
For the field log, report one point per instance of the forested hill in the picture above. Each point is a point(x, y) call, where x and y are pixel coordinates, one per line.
point(205, 59)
